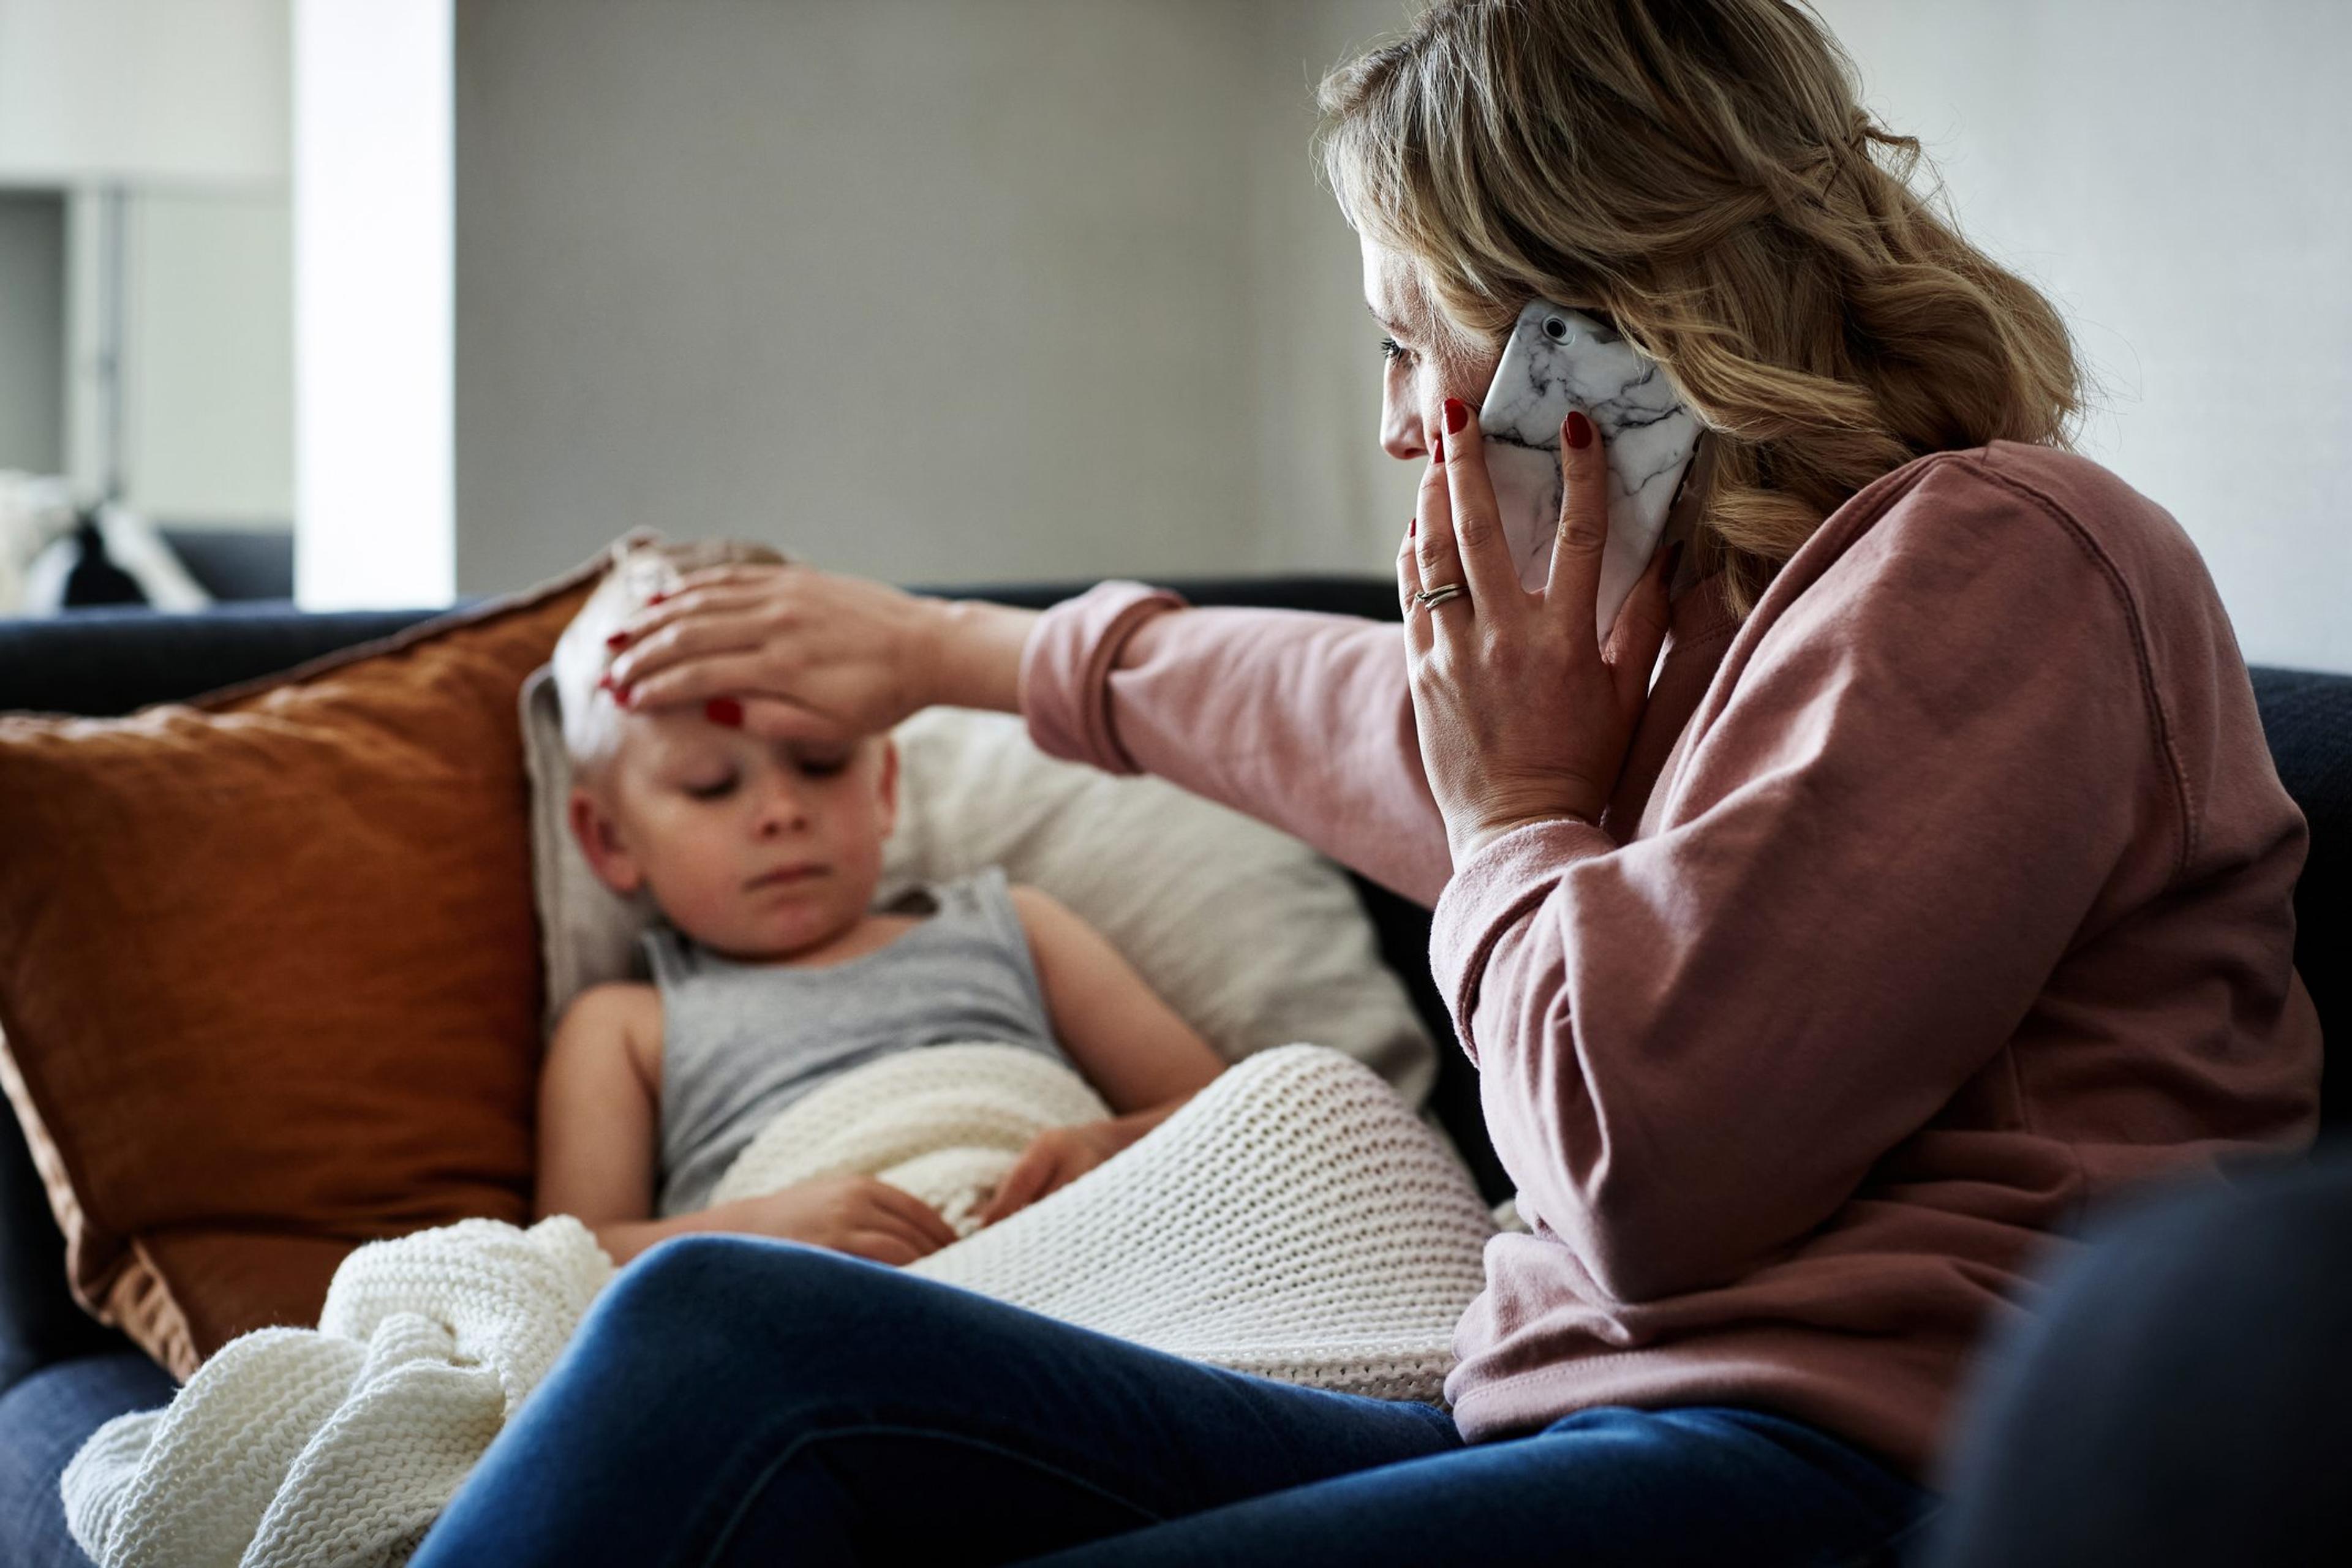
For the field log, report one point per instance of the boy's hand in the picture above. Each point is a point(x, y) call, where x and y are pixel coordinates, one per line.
point(1058, 1156)
point(856, 1214)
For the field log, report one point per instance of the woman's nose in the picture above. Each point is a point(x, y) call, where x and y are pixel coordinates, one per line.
point(1401, 432)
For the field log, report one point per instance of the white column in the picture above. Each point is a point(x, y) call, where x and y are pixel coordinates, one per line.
point(375, 509)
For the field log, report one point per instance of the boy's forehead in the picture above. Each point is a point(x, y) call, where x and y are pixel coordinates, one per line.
point(685, 735)
point(659, 736)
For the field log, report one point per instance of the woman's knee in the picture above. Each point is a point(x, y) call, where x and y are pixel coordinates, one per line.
point(2170, 1291)
point(721, 1290)
point(751, 1302)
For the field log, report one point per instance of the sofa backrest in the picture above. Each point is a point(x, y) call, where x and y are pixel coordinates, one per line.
point(2307, 720)
point(112, 662)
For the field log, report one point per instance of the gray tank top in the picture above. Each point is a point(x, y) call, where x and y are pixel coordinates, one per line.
point(742, 1041)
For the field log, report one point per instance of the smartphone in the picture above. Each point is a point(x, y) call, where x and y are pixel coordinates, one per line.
point(1558, 359)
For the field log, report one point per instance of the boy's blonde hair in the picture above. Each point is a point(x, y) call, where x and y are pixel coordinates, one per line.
point(1701, 173)
point(640, 569)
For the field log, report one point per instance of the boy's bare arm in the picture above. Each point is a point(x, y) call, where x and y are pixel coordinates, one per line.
point(1131, 1044)
point(599, 1151)
point(599, 1108)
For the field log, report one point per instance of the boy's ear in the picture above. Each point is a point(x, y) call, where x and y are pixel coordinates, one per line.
point(599, 838)
point(886, 787)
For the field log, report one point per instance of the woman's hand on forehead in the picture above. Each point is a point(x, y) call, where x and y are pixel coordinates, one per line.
point(781, 723)
point(787, 652)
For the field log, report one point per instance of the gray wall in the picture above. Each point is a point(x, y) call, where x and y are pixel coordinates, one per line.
point(32, 330)
point(961, 290)
point(924, 290)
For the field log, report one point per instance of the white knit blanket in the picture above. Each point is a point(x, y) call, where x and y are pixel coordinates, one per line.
point(1296, 1220)
point(944, 1123)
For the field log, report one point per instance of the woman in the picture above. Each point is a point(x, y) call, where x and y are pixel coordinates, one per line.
point(1934, 880)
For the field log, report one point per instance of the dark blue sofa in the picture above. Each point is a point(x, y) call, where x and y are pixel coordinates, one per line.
point(61, 1375)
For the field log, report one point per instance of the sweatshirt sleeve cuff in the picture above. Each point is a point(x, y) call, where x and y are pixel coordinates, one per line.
point(1490, 893)
point(1066, 670)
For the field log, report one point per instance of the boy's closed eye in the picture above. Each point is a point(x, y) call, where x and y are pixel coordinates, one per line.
point(815, 762)
point(809, 761)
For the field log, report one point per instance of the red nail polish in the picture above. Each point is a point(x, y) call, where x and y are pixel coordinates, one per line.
point(1579, 431)
point(620, 695)
point(724, 711)
point(1412, 526)
point(1437, 449)
point(617, 640)
point(1457, 414)
point(655, 598)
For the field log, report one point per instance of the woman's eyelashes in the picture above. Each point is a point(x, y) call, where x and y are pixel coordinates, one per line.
point(1394, 352)
point(716, 789)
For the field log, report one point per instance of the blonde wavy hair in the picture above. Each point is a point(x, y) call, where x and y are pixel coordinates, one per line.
point(1702, 174)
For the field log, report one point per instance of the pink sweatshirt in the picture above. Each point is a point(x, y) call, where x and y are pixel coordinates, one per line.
point(1947, 892)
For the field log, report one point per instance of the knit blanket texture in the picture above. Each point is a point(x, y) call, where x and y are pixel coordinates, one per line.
point(1295, 1220)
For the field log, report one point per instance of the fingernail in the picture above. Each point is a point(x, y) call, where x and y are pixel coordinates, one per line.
point(1437, 449)
point(655, 598)
point(604, 683)
point(620, 695)
point(1457, 414)
point(1578, 431)
point(617, 640)
point(1412, 526)
point(724, 711)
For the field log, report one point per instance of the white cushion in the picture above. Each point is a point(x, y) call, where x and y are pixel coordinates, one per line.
point(1253, 938)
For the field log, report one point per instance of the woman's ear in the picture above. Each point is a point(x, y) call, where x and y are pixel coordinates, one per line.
point(599, 837)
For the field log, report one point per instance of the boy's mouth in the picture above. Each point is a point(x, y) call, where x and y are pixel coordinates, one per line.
point(798, 871)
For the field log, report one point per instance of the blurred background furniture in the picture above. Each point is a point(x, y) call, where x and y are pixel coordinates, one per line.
point(144, 171)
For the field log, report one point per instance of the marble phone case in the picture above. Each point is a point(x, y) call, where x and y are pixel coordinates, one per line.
point(1560, 359)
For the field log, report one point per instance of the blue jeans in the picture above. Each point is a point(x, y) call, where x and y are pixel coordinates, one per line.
point(737, 1401)
point(2179, 1397)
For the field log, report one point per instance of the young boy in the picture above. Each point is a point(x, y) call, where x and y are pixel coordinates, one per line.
point(772, 973)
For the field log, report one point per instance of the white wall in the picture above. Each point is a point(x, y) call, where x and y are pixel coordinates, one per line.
point(2174, 174)
point(208, 396)
point(373, 125)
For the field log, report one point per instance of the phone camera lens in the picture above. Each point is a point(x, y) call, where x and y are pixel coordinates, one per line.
point(1555, 329)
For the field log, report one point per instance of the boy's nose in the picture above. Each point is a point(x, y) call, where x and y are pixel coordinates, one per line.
point(783, 808)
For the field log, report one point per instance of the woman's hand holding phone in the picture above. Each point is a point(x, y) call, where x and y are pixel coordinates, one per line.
point(1556, 361)
point(1524, 715)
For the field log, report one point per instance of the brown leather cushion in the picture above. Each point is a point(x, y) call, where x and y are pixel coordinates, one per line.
point(268, 973)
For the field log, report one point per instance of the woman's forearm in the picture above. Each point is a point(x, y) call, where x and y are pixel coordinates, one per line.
point(1300, 719)
point(975, 657)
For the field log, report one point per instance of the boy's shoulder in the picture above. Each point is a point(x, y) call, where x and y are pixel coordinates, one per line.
point(1033, 903)
point(614, 1003)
